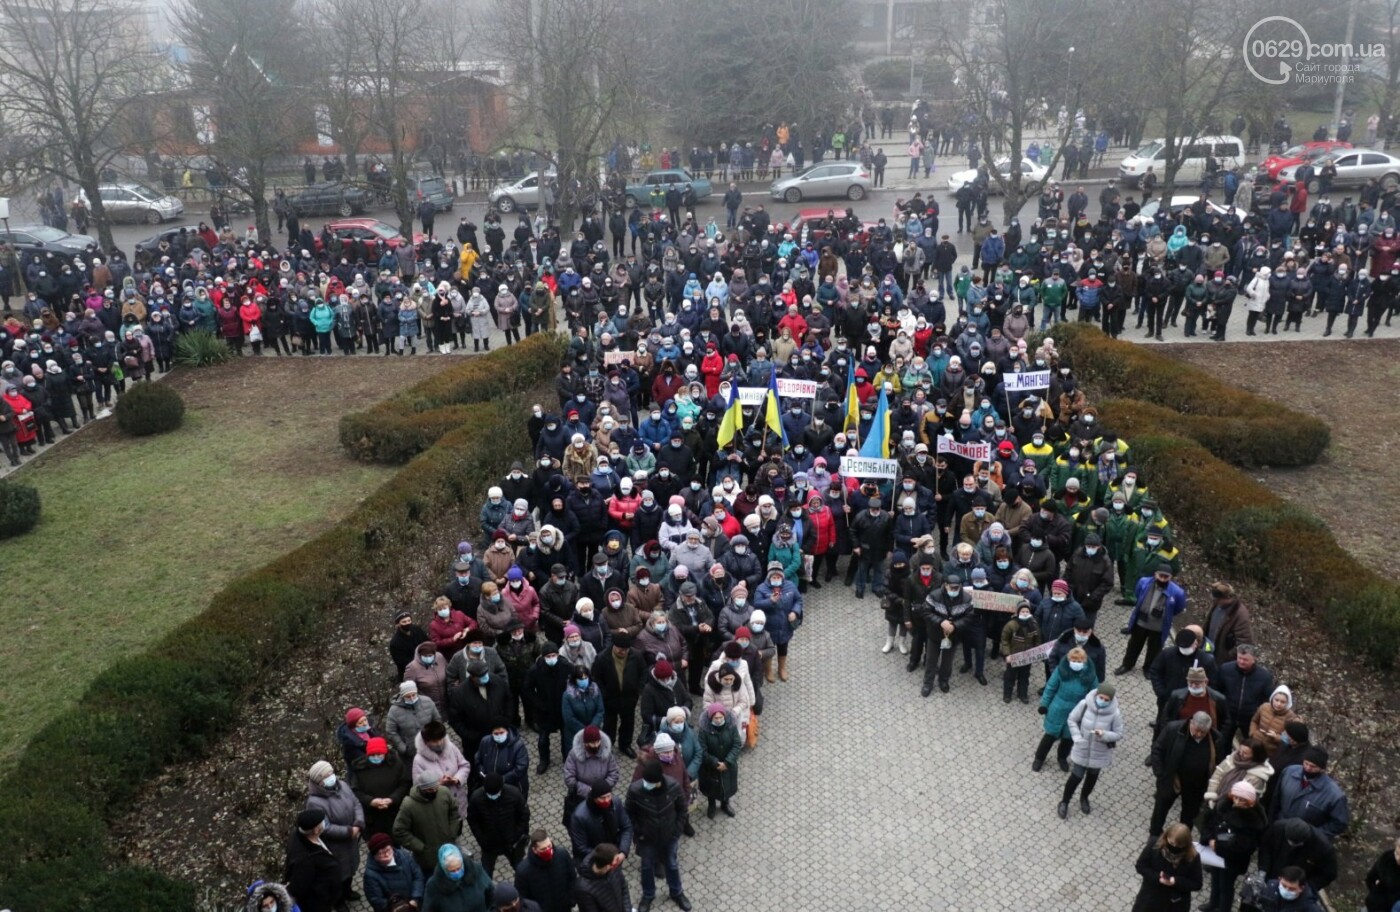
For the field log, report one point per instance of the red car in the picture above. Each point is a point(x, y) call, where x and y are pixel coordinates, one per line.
point(814, 222)
point(1296, 155)
point(375, 233)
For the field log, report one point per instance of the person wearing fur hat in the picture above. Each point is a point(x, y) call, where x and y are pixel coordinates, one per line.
point(264, 896)
point(311, 870)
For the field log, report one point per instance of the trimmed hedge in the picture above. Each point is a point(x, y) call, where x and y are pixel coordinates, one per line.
point(166, 704)
point(150, 408)
point(401, 427)
point(1159, 392)
point(20, 507)
point(1185, 439)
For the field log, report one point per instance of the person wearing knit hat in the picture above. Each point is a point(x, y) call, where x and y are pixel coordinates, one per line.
point(427, 819)
point(1196, 696)
point(499, 820)
point(779, 598)
point(381, 779)
point(353, 734)
point(662, 688)
point(403, 645)
point(406, 717)
point(1096, 725)
point(1306, 791)
point(1232, 827)
point(312, 872)
point(391, 870)
point(657, 807)
point(345, 820)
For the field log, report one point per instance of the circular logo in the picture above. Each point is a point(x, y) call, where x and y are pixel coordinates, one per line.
point(1270, 46)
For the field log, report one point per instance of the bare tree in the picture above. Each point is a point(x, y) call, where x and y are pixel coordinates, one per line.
point(248, 65)
point(389, 75)
point(1003, 69)
point(66, 71)
point(577, 77)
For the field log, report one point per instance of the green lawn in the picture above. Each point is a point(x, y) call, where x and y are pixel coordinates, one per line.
point(138, 533)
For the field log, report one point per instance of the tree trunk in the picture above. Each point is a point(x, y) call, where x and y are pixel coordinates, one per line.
point(88, 180)
point(257, 190)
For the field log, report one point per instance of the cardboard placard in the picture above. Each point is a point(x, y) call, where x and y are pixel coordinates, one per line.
point(1031, 656)
point(987, 600)
point(617, 356)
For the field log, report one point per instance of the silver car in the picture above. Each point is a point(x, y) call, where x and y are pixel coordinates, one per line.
point(519, 196)
point(131, 202)
point(829, 179)
point(1354, 168)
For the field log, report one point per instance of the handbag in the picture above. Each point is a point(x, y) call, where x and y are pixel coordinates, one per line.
point(751, 736)
point(255, 334)
point(1252, 890)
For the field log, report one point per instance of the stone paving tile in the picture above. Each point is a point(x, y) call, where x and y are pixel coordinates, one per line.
point(863, 795)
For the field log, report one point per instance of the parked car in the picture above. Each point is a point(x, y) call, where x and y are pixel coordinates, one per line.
point(132, 202)
point(166, 234)
point(375, 233)
point(814, 225)
point(434, 188)
point(1228, 152)
point(330, 198)
point(1354, 168)
point(41, 239)
point(640, 192)
point(828, 179)
point(1296, 155)
point(1178, 203)
point(520, 195)
point(1031, 173)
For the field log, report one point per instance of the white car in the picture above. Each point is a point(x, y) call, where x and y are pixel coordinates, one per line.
point(1030, 173)
point(519, 195)
point(133, 202)
point(1180, 202)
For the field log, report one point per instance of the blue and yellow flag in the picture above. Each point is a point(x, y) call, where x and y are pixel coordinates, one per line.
point(772, 414)
point(877, 443)
point(732, 421)
point(852, 400)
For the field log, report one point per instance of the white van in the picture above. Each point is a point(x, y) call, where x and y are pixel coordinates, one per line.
point(1228, 151)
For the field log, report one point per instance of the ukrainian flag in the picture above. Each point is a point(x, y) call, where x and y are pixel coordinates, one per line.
point(733, 420)
point(877, 443)
point(772, 414)
point(852, 399)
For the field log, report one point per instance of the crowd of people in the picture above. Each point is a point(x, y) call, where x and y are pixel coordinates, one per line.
point(637, 590)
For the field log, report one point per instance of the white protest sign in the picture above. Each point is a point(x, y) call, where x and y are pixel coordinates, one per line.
point(988, 600)
point(1031, 656)
point(797, 389)
point(1027, 380)
point(866, 467)
point(617, 356)
point(974, 451)
point(752, 395)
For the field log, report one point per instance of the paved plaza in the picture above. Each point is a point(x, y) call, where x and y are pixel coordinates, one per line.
point(863, 795)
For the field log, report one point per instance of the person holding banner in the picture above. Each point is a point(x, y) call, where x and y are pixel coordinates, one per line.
point(1019, 634)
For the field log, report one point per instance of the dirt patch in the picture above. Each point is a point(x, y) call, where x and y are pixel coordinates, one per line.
point(1348, 706)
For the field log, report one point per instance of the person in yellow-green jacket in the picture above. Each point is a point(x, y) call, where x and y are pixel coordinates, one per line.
point(1074, 506)
point(1074, 463)
point(1134, 492)
point(1154, 546)
point(1039, 451)
point(1150, 515)
point(1120, 534)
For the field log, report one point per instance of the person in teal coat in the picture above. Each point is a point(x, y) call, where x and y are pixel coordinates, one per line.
point(582, 704)
point(459, 884)
point(1071, 682)
point(322, 319)
point(787, 551)
point(687, 739)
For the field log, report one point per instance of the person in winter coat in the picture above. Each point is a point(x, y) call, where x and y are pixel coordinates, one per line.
point(474, 707)
point(1158, 600)
point(311, 870)
point(381, 780)
point(657, 808)
point(1245, 763)
point(1231, 829)
point(271, 897)
point(544, 878)
point(590, 761)
point(391, 875)
point(459, 884)
point(600, 819)
point(1073, 680)
point(545, 684)
point(345, 820)
point(1019, 634)
point(1269, 720)
point(429, 674)
point(1289, 892)
point(659, 639)
point(1306, 791)
point(1295, 842)
point(662, 689)
point(354, 735)
point(720, 742)
point(1383, 881)
point(479, 316)
point(436, 753)
point(427, 819)
point(503, 751)
point(581, 704)
point(499, 820)
point(1183, 760)
point(407, 716)
point(1096, 725)
point(947, 617)
point(1170, 869)
point(601, 885)
point(1090, 576)
point(728, 684)
point(781, 603)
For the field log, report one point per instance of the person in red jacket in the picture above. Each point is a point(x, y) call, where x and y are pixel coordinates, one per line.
point(623, 505)
point(820, 538)
point(667, 383)
point(250, 314)
point(794, 322)
point(711, 366)
point(449, 628)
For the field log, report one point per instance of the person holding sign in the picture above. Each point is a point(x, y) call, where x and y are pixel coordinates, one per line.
point(1018, 635)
